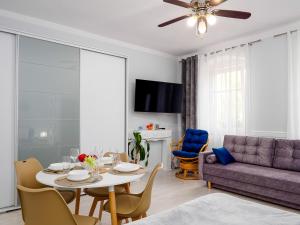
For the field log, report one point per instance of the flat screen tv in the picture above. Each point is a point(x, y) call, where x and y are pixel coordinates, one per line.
point(160, 97)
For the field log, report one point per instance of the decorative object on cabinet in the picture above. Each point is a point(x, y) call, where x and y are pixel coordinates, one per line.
point(137, 150)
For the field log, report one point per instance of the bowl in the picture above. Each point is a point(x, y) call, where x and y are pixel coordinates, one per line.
point(78, 175)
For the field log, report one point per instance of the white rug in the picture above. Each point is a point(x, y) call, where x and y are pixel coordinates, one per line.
point(221, 209)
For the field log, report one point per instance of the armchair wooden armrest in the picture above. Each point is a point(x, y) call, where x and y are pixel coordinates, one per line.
point(204, 147)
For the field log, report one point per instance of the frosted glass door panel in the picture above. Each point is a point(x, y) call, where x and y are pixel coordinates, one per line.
point(7, 118)
point(102, 102)
point(48, 100)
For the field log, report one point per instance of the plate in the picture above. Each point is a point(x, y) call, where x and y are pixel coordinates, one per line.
point(78, 178)
point(56, 167)
point(127, 167)
point(78, 175)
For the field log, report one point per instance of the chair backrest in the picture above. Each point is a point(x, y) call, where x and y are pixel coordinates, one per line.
point(145, 202)
point(44, 207)
point(26, 171)
point(194, 140)
point(123, 155)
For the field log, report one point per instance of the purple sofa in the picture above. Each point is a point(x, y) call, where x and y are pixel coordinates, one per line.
point(265, 168)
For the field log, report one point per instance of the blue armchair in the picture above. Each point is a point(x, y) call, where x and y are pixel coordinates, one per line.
point(187, 151)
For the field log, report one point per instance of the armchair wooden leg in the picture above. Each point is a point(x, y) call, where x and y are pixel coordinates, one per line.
point(209, 185)
point(185, 173)
point(119, 222)
point(94, 204)
point(101, 209)
point(136, 218)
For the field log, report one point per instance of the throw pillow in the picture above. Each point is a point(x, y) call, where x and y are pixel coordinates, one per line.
point(211, 159)
point(223, 155)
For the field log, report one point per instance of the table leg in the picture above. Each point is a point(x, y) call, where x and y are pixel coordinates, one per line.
point(77, 203)
point(112, 204)
point(127, 188)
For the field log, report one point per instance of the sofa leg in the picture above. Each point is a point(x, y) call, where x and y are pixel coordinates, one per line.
point(209, 185)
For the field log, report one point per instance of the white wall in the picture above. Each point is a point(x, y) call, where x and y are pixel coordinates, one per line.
point(269, 74)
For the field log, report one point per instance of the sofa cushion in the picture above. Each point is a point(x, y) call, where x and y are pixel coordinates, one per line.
point(287, 155)
point(185, 154)
point(283, 180)
point(251, 150)
point(194, 140)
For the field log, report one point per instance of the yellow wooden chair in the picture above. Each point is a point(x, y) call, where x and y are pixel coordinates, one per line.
point(101, 194)
point(187, 151)
point(46, 206)
point(26, 171)
point(134, 206)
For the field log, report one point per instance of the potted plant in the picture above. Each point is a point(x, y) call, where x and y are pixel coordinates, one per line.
point(138, 152)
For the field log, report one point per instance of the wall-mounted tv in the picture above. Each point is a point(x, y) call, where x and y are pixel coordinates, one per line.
point(160, 97)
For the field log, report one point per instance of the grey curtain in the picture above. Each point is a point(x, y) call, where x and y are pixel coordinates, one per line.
point(189, 100)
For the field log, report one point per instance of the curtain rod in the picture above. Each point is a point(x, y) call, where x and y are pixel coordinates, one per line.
point(249, 43)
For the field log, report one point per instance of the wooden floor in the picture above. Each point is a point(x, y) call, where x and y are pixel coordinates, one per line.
point(168, 192)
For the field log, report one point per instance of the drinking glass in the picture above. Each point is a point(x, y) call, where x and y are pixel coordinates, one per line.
point(66, 162)
point(74, 152)
point(116, 159)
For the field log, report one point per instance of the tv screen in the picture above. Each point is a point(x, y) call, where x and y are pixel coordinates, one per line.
point(154, 96)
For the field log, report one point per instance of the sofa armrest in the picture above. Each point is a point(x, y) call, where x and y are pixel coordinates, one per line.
point(202, 160)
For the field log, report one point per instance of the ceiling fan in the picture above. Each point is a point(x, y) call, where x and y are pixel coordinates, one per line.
point(203, 14)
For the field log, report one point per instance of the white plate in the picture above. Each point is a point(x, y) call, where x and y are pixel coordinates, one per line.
point(127, 167)
point(78, 178)
point(78, 175)
point(56, 166)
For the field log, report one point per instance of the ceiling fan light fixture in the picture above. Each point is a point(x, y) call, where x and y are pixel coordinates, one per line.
point(202, 26)
point(192, 21)
point(211, 19)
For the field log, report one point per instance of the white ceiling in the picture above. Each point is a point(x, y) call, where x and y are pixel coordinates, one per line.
point(135, 21)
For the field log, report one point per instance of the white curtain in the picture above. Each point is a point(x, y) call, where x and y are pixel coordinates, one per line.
point(293, 124)
point(223, 93)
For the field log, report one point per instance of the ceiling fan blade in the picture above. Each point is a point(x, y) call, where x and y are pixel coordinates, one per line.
point(231, 14)
point(174, 20)
point(179, 3)
point(215, 2)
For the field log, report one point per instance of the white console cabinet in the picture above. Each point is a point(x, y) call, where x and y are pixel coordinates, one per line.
point(162, 154)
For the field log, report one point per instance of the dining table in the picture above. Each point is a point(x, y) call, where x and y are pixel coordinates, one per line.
point(108, 180)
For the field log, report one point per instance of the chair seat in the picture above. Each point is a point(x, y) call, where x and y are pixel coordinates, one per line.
point(85, 220)
point(185, 154)
point(68, 195)
point(125, 204)
point(103, 192)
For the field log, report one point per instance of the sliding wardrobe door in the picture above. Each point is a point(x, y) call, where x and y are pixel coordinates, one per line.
point(102, 102)
point(7, 118)
point(48, 100)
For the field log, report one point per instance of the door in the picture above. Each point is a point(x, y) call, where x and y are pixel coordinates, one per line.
point(102, 102)
point(7, 118)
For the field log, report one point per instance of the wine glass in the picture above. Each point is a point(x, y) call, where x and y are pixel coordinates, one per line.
point(74, 152)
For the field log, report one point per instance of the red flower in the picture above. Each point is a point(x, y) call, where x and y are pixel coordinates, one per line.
point(82, 157)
